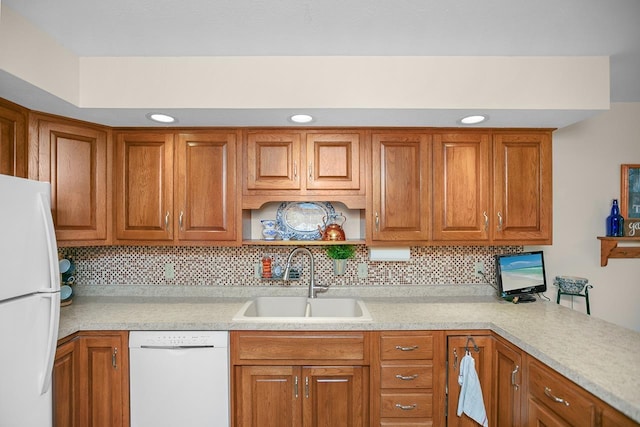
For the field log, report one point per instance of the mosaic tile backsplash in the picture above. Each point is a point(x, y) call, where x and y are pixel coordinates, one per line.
point(237, 266)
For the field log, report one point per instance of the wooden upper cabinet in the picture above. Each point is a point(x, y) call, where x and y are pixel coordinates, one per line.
point(333, 161)
point(461, 186)
point(13, 140)
point(401, 187)
point(75, 158)
point(302, 165)
point(522, 200)
point(273, 160)
point(144, 186)
point(206, 186)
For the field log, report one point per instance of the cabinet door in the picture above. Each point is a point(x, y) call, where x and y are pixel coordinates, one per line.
point(457, 346)
point(335, 396)
point(333, 161)
point(522, 187)
point(508, 385)
point(65, 385)
point(13, 140)
point(268, 396)
point(206, 186)
point(103, 377)
point(75, 159)
point(401, 186)
point(274, 161)
point(461, 186)
point(144, 186)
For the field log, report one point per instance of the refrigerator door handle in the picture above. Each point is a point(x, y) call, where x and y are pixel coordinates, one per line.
point(52, 293)
point(52, 338)
point(52, 247)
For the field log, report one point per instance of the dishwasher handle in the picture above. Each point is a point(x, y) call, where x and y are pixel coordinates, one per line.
point(174, 347)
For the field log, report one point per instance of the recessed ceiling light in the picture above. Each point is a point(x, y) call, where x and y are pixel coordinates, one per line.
point(473, 120)
point(301, 118)
point(161, 118)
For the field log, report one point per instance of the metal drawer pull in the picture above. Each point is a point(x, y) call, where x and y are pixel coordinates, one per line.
point(407, 378)
point(411, 348)
point(406, 407)
point(547, 392)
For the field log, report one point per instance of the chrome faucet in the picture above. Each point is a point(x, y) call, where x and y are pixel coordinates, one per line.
point(313, 288)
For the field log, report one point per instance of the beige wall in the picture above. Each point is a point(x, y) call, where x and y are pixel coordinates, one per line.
point(586, 174)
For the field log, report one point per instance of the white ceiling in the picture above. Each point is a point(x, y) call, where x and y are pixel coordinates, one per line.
point(345, 27)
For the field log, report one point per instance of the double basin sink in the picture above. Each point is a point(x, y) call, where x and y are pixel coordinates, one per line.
point(303, 309)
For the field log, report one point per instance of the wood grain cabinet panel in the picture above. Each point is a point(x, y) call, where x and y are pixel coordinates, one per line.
point(144, 186)
point(13, 139)
point(206, 187)
point(461, 186)
point(66, 385)
point(401, 187)
point(508, 387)
point(456, 349)
point(91, 380)
point(76, 159)
point(303, 165)
point(300, 379)
point(522, 187)
point(408, 379)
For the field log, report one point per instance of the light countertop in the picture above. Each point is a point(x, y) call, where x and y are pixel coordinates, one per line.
point(599, 356)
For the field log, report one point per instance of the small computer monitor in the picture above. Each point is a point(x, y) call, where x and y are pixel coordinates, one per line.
point(520, 275)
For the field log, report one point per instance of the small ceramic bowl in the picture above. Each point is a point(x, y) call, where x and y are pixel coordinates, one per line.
point(570, 284)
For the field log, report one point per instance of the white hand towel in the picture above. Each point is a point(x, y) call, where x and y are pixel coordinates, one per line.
point(471, 402)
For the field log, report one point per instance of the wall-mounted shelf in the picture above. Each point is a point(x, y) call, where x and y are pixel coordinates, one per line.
point(263, 242)
point(609, 248)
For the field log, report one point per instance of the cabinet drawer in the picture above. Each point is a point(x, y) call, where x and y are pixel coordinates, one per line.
point(406, 347)
point(549, 387)
point(407, 376)
point(311, 347)
point(406, 405)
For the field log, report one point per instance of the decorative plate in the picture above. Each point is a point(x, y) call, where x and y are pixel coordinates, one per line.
point(300, 220)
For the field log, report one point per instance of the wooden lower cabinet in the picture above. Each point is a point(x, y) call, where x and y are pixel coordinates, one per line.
point(481, 348)
point(408, 379)
point(91, 380)
point(282, 396)
point(300, 379)
point(508, 387)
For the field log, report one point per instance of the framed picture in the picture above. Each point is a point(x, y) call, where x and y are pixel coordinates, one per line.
point(630, 199)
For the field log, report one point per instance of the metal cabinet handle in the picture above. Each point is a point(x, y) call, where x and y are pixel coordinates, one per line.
point(410, 348)
point(295, 169)
point(407, 377)
point(455, 359)
point(499, 221)
point(513, 377)
point(180, 220)
point(310, 171)
point(406, 407)
point(486, 220)
point(549, 394)
point(166, 221)
point(295, 386)
point(114, 358)
point(377, 222)
point(306, 387)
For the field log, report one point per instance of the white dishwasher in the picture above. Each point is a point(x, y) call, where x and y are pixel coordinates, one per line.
point(179, 378)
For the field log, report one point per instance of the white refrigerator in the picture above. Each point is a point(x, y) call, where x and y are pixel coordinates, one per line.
point(29, 302)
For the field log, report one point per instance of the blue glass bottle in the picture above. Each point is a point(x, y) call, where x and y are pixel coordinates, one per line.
point(615, 222)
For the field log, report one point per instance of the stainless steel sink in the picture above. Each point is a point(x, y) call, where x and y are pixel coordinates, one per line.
point(303, 309)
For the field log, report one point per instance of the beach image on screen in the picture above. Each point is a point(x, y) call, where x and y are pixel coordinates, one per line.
point(521, 272)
